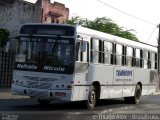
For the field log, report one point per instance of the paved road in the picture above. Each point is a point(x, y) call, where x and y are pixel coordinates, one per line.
point(26, 109)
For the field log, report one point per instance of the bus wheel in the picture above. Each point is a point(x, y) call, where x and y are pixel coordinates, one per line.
point(43, 102)
point(136, 98)
point(91, 98)
point(137, 94)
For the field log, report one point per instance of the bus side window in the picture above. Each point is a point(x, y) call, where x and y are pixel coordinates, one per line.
point(84, 55)
point(137, 58)
point(145, 59)
point(78, 51)
point(108, 51)
point(129, 56)
point(95, 50)
point(153, 58)
point(119, 51)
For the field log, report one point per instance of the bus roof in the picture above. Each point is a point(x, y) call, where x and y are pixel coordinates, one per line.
point(116, 39)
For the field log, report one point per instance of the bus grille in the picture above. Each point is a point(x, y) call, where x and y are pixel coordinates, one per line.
point(40, 79)
point(39, 82)
point(39, 85)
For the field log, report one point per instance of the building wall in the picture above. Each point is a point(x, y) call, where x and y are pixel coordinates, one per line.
point(53, 12)
point(14, 13)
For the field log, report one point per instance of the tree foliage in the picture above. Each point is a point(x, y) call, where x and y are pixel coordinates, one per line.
point(105, 25)
point(4, 34)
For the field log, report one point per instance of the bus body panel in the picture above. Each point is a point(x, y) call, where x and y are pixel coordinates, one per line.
point(123, 81)
point(153, 82)
point(142, 76)
point(81, 87)
point(104, 75)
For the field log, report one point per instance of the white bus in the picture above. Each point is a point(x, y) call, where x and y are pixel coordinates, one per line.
point(73, 63)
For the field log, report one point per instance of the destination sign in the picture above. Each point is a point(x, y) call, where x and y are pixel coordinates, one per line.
point(46, 39)
point(41, 29)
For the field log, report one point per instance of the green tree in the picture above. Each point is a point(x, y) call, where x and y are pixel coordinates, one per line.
point(4, 34)
point(105, 25)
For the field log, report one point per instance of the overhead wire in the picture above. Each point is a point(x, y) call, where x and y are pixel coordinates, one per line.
point(151, 34)
point(126, 13)
point(130, 15)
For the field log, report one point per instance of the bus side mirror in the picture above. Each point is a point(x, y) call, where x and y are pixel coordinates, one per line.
point(83, 46)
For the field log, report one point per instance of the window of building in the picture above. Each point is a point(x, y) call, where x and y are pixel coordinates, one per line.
point(57, 21)
point(45, 19)
point(52, 20)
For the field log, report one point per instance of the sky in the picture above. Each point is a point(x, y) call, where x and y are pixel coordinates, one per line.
point(146, 29)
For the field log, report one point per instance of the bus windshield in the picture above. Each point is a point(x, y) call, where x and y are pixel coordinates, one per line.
point(46, 51)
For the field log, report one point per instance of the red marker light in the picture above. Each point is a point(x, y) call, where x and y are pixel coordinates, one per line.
point(63, 94)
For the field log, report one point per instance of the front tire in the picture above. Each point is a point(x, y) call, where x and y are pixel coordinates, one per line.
point(91, 98)
point(136, 98)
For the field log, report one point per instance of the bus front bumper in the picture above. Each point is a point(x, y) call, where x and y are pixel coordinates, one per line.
point(35, 93)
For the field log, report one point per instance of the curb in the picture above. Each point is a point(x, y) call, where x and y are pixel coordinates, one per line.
point(6, 94)
point(10, 96)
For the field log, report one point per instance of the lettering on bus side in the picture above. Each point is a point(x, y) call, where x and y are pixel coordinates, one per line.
point(26, 66)
point(123, 73)
point(50, 68)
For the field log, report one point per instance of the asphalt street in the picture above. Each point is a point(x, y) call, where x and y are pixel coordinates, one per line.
point(29, 109)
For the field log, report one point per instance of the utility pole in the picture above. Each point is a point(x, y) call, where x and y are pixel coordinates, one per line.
point(158, 49)
point(159, 57)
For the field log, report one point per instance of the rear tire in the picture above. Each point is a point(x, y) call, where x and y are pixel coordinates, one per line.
point(136, 98)
point(90, 103)
point(43, 102)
